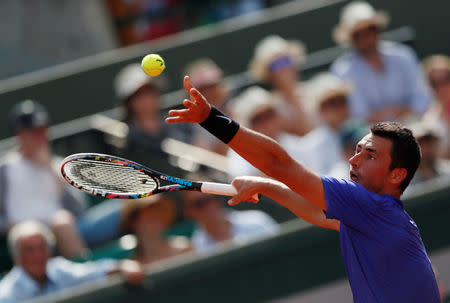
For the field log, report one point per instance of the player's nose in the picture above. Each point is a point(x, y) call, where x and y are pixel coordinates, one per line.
point(354, 161)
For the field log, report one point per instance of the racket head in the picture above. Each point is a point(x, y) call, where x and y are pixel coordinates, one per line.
point(109, 176)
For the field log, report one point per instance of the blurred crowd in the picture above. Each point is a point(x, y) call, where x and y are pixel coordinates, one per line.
point(48, 225)
point(141, 20)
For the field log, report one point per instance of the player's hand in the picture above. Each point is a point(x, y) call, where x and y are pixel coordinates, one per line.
point(197, 108)
point(247, 188)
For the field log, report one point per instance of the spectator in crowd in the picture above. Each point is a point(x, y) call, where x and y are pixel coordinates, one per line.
point(320, 149)
point(437, 69)
point(276, 62)
point(216, 224)
point(327, 95)
point(140, 95)
point(388, 82)
point(36, 273)
point(31, 187)
point(256, 109)
point(208, 77)
point(431, 166)
point(148, 218)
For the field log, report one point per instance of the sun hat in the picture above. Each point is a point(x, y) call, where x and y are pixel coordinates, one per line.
point(204, 72)
point(357, 15)
point(324, 86)
point(249, 103)
point(274, 47)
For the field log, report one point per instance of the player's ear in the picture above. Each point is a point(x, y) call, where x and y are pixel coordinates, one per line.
point(397, 175)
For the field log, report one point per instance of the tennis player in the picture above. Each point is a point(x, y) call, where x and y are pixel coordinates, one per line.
point(383, 252)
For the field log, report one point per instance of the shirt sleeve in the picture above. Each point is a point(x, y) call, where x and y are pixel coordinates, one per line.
point(71, 273)
point(348, 202)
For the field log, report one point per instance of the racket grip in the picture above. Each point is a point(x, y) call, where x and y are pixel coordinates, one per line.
point(221, 189)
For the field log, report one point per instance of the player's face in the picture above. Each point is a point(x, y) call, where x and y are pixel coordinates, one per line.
point(370, 165)
point(33, 256)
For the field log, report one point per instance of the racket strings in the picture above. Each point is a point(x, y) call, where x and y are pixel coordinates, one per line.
point(108, 176)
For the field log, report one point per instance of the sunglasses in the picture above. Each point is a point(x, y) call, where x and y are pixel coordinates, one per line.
point(364, 32)
point(439, 82)
point(334, 102)
point(281, 63)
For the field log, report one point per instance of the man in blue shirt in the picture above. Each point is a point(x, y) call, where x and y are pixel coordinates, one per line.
point(383, 253)
point(36, 274)
point(387, 79)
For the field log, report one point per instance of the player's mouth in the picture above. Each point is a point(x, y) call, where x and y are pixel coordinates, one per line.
point(354, 176)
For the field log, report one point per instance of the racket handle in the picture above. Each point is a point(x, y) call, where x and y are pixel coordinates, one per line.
point(220, 189)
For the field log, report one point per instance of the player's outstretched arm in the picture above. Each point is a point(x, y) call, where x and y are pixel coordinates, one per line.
point(249, 186)
point(261, 151)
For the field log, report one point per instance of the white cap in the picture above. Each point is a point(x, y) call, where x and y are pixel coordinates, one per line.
point(130, 79)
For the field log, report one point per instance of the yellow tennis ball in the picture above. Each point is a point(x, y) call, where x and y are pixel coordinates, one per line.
point(153, 65)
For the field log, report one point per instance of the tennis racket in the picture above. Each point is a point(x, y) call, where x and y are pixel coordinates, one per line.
point(114, 177)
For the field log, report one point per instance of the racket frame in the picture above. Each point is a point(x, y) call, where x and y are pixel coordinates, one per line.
point(177, 184)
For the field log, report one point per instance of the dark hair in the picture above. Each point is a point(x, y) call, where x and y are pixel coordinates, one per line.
point(405, 151)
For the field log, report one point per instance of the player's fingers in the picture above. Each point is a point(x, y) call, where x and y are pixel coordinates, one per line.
point(254, 198)
point(173, 119)
point(233, 201)
point(187, 84)
point(188, 103)
point(197, 96)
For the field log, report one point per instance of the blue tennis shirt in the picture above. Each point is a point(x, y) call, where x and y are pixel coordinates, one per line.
point(383, 252)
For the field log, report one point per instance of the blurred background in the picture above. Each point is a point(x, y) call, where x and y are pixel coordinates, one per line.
point(71, 82)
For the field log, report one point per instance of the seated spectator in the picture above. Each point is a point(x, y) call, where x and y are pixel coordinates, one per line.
point(36, 273)
point(319, 149)
point(437, 69)
point(217, 224)
point(148, 219)
point(140, 96)
point(327, 95)
point(431, 165)
point(276, 62)
point(207, 77)
point(388, 82)
point(255, 108)
point(31, 188)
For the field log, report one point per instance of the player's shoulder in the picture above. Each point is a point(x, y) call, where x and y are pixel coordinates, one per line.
point(348, 188)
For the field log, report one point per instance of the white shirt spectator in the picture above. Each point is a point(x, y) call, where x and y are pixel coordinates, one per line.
point(26, 179)
point(18, 286)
